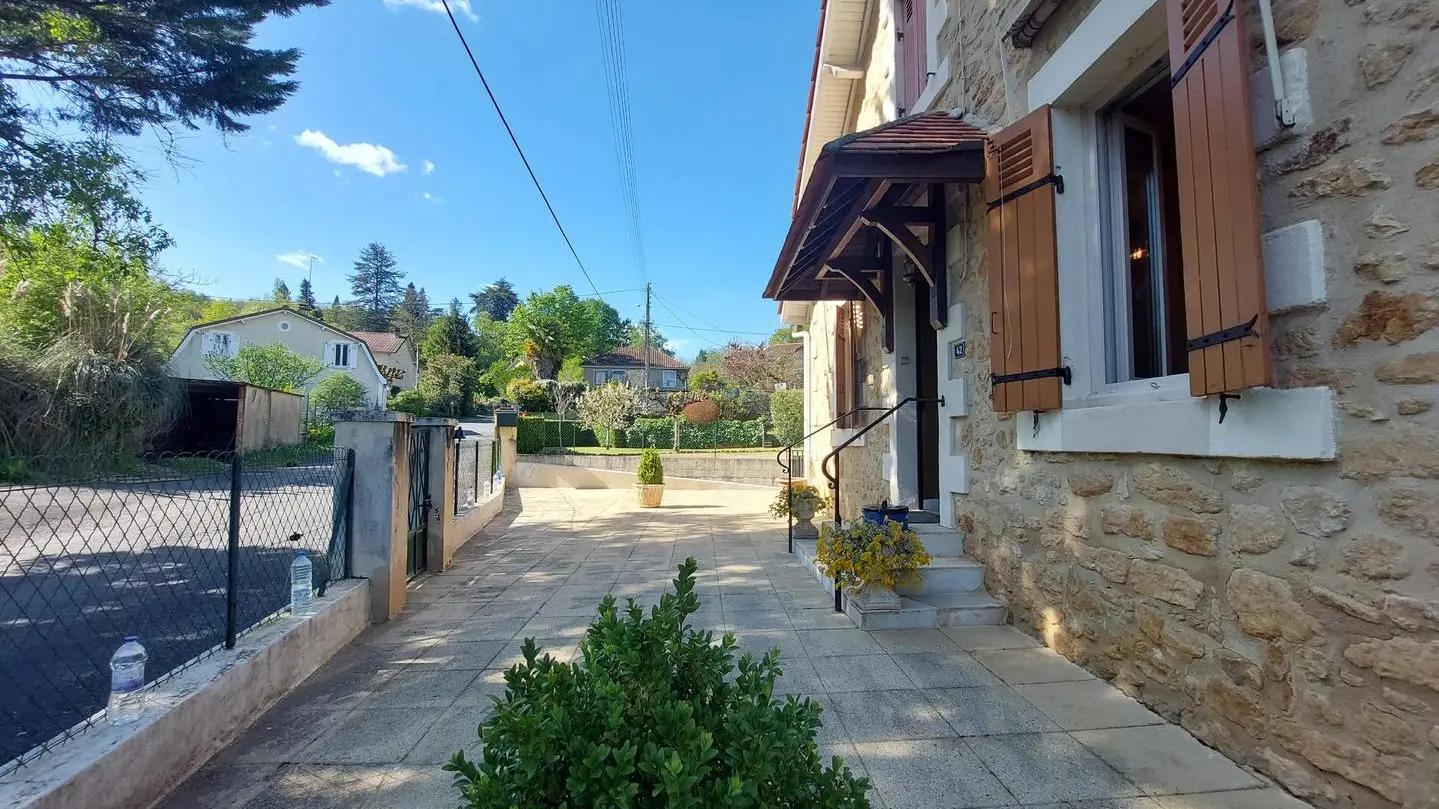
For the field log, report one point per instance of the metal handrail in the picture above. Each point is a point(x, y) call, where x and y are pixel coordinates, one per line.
point(834, 453)
point(791, 445)
point(788, 449)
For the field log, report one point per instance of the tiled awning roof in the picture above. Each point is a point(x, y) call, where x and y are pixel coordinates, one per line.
point(381, 342)
point(889, 164)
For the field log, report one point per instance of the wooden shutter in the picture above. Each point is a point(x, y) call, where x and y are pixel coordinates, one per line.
point(1225, 311)
point(842, 361)
point(1020, 185)
point(913, 52)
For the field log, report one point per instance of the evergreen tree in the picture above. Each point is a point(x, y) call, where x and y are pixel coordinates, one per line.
point(375, 283)
point(497, 300)
point(412, 317)
point(306, 302)
point(450, 334)
point(281, 295)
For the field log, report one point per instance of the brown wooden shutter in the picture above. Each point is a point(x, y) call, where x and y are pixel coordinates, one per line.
point(842, 360)
point(1020, 185)
point(913, 52)
point(1225, 310)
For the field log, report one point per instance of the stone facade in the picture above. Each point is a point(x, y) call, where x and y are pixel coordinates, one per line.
point(1286, 613)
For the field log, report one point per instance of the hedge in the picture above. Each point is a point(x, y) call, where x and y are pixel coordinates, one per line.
point(537, 433)
point(715, 435)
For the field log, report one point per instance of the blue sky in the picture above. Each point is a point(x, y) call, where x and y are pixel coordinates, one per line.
point(390, 138)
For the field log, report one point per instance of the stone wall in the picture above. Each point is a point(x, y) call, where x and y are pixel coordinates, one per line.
point(1286, 613)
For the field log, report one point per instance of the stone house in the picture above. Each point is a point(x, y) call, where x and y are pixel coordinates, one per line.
point(337, 350)
point(627, 364)
point(1163, 287)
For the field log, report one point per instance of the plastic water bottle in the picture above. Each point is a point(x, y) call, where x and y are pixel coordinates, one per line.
point(127, 682)
point(300, 599)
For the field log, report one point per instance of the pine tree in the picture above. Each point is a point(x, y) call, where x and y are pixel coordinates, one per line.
point(412, 317)
point(281, 295)
point(375, 283)
point(497, 300)
point(306, 302)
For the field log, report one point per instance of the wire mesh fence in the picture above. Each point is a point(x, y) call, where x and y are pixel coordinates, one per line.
point(187, 554)
point(477, 471)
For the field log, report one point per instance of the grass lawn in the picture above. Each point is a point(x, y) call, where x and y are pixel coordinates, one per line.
point(636, 451)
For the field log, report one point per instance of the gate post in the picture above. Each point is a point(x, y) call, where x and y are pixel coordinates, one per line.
point(379, 511)
point(441, 487)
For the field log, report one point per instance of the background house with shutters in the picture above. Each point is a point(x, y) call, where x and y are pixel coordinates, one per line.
point(337, 350)
point(1271, 581)
point(397, 356)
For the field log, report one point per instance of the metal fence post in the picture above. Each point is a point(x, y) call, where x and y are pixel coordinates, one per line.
point(232, 573)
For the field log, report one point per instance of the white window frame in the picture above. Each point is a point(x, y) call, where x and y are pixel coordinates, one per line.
point(1095, 63)
point(332, 348)
point(207, 340)
point(936, 64)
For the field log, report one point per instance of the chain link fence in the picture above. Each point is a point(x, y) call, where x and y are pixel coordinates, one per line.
point(477, 471)
point(188, 554)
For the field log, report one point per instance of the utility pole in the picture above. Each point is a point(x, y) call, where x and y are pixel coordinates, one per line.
point(647, 335)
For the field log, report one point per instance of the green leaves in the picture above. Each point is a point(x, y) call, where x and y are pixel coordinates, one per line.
point(654, 715)
point(268, 366)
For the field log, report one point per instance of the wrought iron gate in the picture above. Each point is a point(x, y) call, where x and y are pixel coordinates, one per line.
point(415, 558)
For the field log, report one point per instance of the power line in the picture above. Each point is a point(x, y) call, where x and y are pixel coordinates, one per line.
point(722, 331)
point(516, 142)
point(686, 326)
point(707, 323)
point(610, 19)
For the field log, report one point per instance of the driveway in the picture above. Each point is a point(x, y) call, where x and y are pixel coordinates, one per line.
point(953, 718)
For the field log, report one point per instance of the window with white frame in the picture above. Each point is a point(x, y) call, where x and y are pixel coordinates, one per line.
point(220, 343)
point(670, 379)
point(1140, 234)
point(340, 354)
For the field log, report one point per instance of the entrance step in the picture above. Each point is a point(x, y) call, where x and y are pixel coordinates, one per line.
point(946, 574)
point(958, 609)
point(921, 517)
point(938, 540)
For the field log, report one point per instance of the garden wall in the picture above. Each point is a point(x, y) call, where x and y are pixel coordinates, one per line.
point(754, 468)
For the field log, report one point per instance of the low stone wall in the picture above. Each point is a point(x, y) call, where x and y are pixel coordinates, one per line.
point(190, 717)
point(754, 468)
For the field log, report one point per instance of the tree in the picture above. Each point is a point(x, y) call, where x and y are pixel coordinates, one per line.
point(337, 393)
point(448, 384)
point(306, 300)
point(635, 338)
point(120, 68)
point(608, 408)
point(786, 410)
point(783, 334)
point(449, 334)
point(375, 283)
point(497, 300)
point(267, 366)
point(413, 316)
point(609, 333)
point(706, 381)
point(757, 367)
point(549, 326)
point(281, 294)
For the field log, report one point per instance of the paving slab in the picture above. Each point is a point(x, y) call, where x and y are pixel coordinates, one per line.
point(952, 717)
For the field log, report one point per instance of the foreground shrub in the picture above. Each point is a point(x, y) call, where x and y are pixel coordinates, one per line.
point(409, 401)
point(651, 471)
point(651, 717)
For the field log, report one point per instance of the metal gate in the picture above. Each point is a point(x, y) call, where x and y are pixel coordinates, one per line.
point(415, 558)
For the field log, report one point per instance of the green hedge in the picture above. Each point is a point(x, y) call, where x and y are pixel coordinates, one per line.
point(715, 435)
point(537, 433)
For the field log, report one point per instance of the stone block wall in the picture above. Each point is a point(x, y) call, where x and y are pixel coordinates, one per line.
point(1286, 613)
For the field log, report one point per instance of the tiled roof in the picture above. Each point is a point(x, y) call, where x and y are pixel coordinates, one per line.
point(381, 342)
point(632, 357)
point(927, 132)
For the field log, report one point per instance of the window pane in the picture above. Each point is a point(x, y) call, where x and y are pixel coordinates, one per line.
point(1141, 250)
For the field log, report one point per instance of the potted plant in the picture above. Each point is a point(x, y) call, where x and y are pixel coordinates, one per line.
point(800, 500)
point(652, 713)
point(650, 479)
point(868, 560)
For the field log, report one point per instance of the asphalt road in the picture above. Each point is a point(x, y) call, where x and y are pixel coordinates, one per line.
point(82, 567)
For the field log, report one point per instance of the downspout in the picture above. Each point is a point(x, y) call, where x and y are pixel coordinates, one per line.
point(805, 401)
point(1283, 109)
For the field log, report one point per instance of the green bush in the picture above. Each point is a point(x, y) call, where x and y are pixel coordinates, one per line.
point(715, 435)
point(320, 433)
point(410, 401)
point(786, 412)
point(652, 469)
point(530, 396)
point(652, 717)
point(337, 393)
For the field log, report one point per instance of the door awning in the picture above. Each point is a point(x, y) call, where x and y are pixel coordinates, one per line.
point(870, 189)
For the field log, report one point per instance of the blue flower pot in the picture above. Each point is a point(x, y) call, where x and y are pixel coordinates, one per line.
point(885, 512)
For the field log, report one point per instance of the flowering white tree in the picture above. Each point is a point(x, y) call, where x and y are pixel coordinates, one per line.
point(609, 407)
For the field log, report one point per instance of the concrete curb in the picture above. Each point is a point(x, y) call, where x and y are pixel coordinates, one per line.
point(190, 717)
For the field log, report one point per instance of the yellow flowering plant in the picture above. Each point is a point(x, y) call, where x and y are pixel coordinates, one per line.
point(863, 553)
point(796, 494)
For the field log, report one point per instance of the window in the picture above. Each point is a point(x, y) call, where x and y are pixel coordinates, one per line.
point(849, 365)
point(619, 376)
point(913, 52)
point(222, 343)
point(670, 379)
point(1139, 196)
point(341, 354)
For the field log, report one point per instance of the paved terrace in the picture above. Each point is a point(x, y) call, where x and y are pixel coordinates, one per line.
point(935, 718)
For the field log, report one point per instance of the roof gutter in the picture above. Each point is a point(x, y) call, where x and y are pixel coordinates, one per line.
point(1027, 25)
point(809, 105)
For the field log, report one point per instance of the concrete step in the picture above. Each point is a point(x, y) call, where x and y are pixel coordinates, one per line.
point(946, 574)
point(940, 541)
point(956, 609)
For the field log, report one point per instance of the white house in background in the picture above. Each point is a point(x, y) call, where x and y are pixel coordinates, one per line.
point(396, 355)
point(338, 350)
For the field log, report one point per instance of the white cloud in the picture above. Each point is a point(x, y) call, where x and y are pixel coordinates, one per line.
point(367, 157)
point(461, 7)
point(676, 346)
point(427, 166)
point(427, 196)
point(299, 258)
